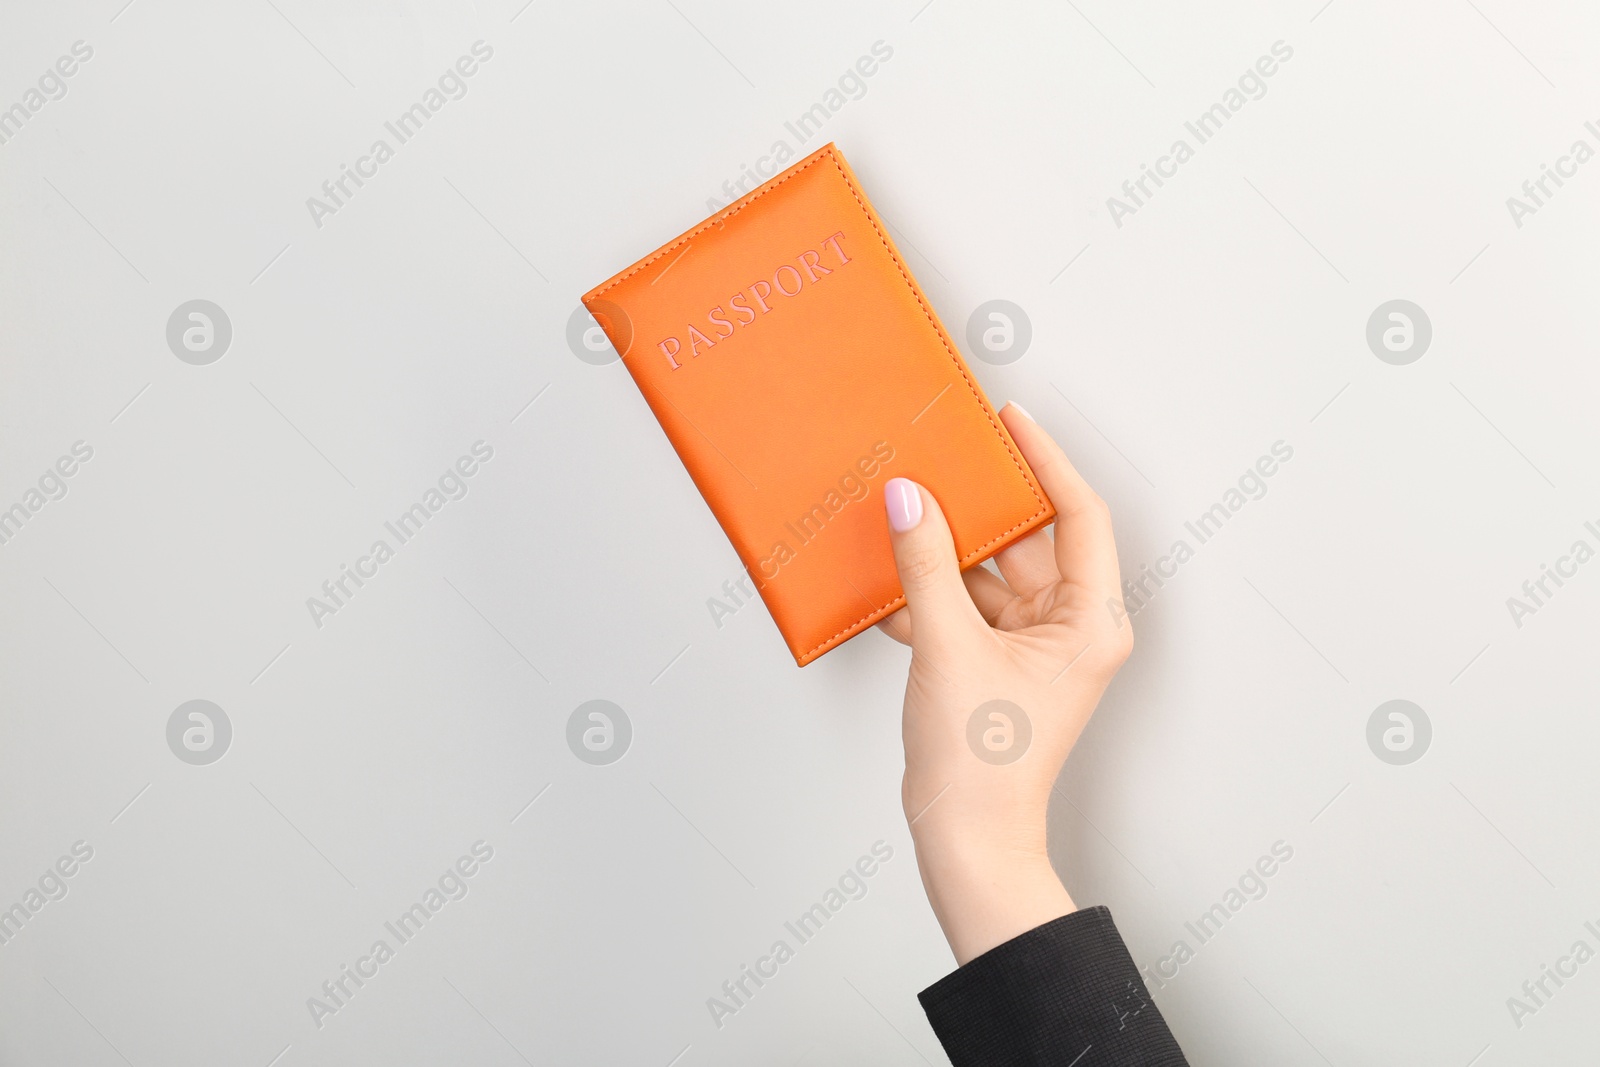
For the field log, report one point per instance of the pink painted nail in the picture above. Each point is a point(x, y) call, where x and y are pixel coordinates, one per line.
point(904, 502)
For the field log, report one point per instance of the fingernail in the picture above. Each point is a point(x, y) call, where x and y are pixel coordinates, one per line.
point(1019, 407)
point(904, 502)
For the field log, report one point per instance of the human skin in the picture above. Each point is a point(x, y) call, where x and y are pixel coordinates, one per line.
point(1047, 635)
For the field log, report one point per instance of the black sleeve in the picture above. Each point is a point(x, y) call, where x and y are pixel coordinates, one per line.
point(1065, 994)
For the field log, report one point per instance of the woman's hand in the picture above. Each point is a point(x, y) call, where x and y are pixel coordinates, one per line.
point(1004, 676)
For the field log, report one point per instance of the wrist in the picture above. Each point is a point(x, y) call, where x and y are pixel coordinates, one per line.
point(985, 892)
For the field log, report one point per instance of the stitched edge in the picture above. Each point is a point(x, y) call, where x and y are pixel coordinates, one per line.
point(877, 613)
point(723, 216)
point(832, 156)
point(972, 388)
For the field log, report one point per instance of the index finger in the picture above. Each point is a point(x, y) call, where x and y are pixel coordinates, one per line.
point(1086, 551)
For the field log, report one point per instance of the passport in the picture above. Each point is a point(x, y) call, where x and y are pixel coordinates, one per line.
point(795, 366)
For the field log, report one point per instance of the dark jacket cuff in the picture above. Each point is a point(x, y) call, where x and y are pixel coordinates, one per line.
point(1061, 994)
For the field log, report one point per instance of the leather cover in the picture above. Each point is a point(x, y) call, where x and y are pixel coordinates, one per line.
point(796, 366)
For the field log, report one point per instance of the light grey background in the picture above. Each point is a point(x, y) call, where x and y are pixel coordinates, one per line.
point(1167, 354)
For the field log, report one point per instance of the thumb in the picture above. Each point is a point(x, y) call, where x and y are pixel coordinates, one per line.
point(925, 557)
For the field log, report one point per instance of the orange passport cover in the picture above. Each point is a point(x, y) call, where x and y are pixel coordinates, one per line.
point(796, 366)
